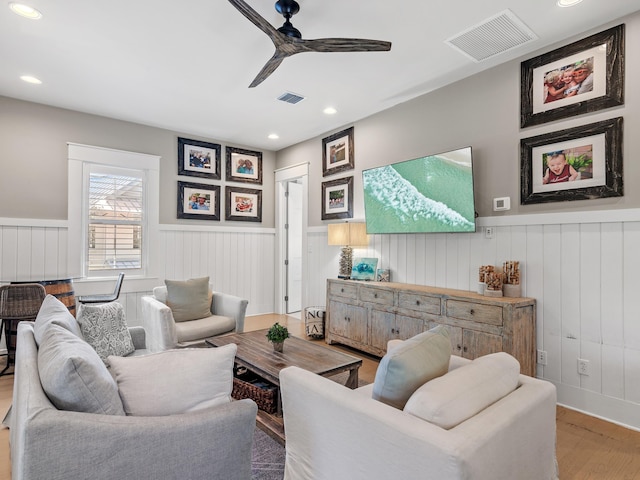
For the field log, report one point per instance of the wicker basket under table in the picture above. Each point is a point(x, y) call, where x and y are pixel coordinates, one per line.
point(249, 385)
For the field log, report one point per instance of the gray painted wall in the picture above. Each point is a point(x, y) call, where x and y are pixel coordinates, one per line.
point(481, 111)
point(33, 159)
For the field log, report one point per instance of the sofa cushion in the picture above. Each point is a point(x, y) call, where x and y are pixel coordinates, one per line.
point(204, 327)
point(462, 393)
point(175, 381)
point(54, 311)
point(73, 376)
point(104, 327)
point(416, 361)
point(190, 299)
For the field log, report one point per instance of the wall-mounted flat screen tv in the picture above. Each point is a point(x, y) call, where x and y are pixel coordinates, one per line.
point(427, 194)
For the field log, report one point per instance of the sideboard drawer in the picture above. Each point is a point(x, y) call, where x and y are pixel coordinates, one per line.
point(421, 303)
point(344, 290)
point(376, 295)
point(489, 314)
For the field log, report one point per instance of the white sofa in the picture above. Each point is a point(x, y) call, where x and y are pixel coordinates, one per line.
point(164, 333)
point(334, 432)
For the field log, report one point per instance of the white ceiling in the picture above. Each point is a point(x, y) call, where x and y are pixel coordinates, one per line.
point(186, 65)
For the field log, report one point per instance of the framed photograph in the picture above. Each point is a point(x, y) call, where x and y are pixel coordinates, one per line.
point(243, 204)
point(364, 269)
point(337, 199)
point(582, 77)
point(575, 164)
point(198, 201)
point(243, 165)
point(337, 152)
point(199, 159)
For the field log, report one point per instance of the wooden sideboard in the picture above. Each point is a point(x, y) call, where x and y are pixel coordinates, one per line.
point(365, 315)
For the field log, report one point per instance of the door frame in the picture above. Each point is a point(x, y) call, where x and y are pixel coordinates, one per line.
point(282, 176)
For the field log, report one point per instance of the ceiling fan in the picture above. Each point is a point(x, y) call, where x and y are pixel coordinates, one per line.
point(288, 39)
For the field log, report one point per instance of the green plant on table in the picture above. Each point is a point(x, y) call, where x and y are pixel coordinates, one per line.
point(277, 333)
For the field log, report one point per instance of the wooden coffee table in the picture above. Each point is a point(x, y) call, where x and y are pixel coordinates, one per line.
point(256, 354)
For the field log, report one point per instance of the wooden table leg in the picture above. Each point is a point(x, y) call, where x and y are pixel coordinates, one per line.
point(352, 381)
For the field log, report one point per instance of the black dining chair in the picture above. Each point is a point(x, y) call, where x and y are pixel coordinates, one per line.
point(104, 298)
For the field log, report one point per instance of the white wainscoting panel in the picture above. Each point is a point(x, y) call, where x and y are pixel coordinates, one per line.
point(239, 261)
point(584, 276)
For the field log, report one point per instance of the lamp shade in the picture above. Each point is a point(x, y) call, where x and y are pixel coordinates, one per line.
point(351, 234)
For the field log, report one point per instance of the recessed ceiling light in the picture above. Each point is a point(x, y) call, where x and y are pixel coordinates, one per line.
point(25, 10)
point(330, 111)
point(30, 79)
point(568, 3)
point(273, 136)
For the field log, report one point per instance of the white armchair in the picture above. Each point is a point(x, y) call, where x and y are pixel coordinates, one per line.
point(163, 332)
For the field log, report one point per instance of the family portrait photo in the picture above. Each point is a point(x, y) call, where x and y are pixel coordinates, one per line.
point(337, 152)
point(337, 199)
point(578, 163)
point(199, 159)
point(582, 77)
point(243, 165)
point(198, 201)
point(243, 204)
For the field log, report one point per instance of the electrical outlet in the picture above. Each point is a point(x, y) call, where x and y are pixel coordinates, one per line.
point(542, 357)
point(488, 232)
point(583, 367)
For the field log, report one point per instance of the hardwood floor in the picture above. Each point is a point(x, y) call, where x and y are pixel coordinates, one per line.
point(587, 448)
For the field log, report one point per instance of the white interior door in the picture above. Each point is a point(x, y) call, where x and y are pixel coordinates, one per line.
point(294, 246)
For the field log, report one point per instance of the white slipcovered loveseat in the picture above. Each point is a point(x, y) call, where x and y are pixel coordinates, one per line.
point(334, 432)
point(167, 415)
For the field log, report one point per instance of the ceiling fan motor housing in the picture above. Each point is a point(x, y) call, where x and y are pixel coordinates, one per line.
point(288, 8)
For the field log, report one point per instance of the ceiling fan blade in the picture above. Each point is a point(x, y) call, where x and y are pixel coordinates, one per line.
point(273, 63)
point(346, 45)
point(255, 18)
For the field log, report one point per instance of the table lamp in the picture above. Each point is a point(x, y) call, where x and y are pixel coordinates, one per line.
point(347, 235)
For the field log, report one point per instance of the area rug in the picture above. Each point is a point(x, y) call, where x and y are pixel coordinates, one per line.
point(267, 461)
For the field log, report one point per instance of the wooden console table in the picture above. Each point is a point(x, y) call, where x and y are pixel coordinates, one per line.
point(366, 315)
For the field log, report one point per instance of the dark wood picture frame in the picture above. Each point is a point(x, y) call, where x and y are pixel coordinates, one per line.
point(608, 78)
point(243, 204)
point(338, 152)
point(237, 168)
point(199, 159)
point(605, 162)
point(186, 209)
point(334, 204)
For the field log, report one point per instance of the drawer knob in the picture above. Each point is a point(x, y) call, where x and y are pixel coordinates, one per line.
point(417, 302)
point(375, 295)
point(458, 347)
point(342, 290)
point(472, 311)
point(464, 349)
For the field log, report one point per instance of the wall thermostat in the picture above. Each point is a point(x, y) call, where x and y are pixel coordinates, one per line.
point(502, 203)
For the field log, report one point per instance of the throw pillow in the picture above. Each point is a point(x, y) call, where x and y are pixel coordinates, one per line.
point(73, 376)
point(190, 299)
point(104, 328)
point(410, 365)
point(462, 393)
point(54, 311)
point(175, 381)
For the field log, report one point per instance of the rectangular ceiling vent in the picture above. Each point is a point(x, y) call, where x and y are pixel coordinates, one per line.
point(291, 98)
point(495, 35)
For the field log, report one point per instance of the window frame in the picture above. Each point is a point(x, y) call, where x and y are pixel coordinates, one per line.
point(80, 159)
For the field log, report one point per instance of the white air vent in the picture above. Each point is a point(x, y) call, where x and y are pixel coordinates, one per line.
point(291, 98)
point(495, 35)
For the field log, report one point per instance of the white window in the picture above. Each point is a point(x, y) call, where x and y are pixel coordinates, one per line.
point(113, 212)
point(115, 219)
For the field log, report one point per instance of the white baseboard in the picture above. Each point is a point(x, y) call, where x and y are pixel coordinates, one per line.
point(614, 410)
